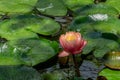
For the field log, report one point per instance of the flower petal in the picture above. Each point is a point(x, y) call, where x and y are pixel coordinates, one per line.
point(63, 54)
point(81, 47)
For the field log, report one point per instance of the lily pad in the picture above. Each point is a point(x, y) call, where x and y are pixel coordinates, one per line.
point(18, 73)
point(16, 6)
point(112, 25)
point(97, 9)
point(51, 7)
point(9, 55)
point(27, 51)
point(113, 3)
point(76, 4)
point(26, 26)
point(97, 22)
point(94, 45)
point(34, 51)
point(110, 74)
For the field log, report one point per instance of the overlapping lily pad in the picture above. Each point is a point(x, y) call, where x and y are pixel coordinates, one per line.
point(97, 22)
point(76, 4)
point(16, 6)
point(97, 9)
point(51, 7)
point(26, 26)
point(99, 45)
point(112, 25)
point(114, 3)
point(27, 51)
point(93, 30)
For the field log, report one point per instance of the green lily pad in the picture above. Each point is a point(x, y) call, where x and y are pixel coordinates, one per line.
point(97, 22)
point(27, 51)
point(51, 7)
point(113, 3)
point(34, 51)
point(16, 6)
point(9, 55)
point(98, 9)
point(110, 74)
point(109, 26)
point(94, 45)
point(76, 4)
point(82, 24)
point(18, 73)
point(26, 26)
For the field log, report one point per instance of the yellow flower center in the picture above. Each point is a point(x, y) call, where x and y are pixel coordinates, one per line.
point(70, 37)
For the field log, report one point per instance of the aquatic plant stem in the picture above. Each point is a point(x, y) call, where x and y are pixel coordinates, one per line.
point(76, 66)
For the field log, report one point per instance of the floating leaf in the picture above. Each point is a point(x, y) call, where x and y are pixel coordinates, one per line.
point(97, 9)
point(99, 45)
point(9, 55)
point(112, 25)
point(26, 26)
point(16, 6)
point(76, 4)
point(110, 74)
point(27, 51)
point(34, 51)
point(82, 24)
point(113, 3)
point(98, 22)
point(18, 73)
point(51, 7)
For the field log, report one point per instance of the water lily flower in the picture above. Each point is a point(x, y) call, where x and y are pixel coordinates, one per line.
point(72, 43)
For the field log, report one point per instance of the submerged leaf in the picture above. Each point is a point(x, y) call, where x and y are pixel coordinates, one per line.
point(55, 75)
point(90, 70)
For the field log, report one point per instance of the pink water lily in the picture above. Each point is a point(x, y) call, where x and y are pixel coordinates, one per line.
point(72, 43)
